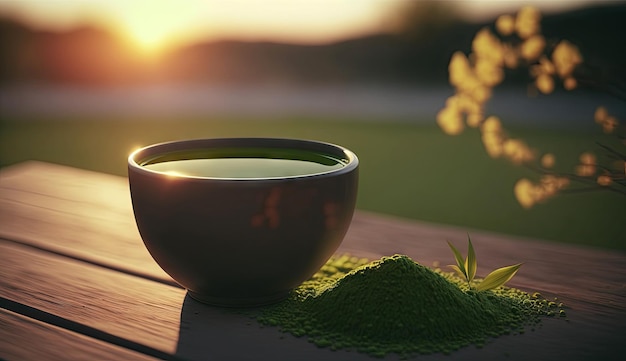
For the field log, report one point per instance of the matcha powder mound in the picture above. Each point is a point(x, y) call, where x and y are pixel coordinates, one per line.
point(395, 305)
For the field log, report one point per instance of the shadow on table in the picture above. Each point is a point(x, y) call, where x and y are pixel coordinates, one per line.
point(213, 333)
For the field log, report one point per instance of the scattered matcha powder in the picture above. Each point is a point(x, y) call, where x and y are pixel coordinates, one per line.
point(395, 305)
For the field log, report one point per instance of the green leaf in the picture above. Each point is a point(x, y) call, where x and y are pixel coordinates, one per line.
point(457, 270)
point(459, 260)
point(498, 277)
point(470, 262)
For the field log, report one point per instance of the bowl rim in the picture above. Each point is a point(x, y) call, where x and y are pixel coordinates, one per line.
point(285, 143)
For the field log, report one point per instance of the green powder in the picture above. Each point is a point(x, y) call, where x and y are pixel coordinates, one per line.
point(395, 305)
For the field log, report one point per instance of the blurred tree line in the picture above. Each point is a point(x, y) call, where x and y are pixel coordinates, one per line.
point(415, 50)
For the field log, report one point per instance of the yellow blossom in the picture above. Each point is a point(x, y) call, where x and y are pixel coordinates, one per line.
point(450, 121)
point(487, 46)
point(492, 124)
point(468, 104)
point(550, 185)
point(528, 194)
point(459, 69)
point(505, 24)
point(510, 56)
point(545, 66)
point(474, 119)
point(493, 136)
point(544, 83)
point(525, 193)
point(493, 144)
point(527, 22)
point(488, 72)
point(565, 58)
point(533, 47)
point(480, 93)
point(517, 151)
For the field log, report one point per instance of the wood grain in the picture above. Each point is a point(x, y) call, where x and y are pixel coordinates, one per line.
point(129, 307)
point(53, 343)
point(73, 250)
point(84, 214)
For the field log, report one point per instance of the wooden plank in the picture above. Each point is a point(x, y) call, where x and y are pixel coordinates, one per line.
point(24, 339)
point(123, 305)
point(82, 214)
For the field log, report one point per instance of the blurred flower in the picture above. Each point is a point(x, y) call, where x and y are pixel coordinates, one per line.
point(525, 193)
point(510, 56)
point(543, 72)
point(492, 124)
point(488, 73)
point(528, 194)
point(544, 66)
point(608, 122)
point(487, 47)
point(505, 24)
point(450, 121)
point(570, 83)
point(474, 77)
point(527, 22)
point(474, 119)
point(587, 166)
point(463, 78)
point(517, 151)
point(533, 47)
point(548, 160)
point(493, 144)
point(587, 158)
point(600, 114)
point(565, 58)
point(604, 180)
point(544, 83)
point(460, 71)
point(493, 136)
point(551, 184)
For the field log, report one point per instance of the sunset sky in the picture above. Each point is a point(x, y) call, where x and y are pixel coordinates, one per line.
point(156, 25)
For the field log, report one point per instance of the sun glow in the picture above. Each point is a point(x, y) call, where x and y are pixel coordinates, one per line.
point(150, 27)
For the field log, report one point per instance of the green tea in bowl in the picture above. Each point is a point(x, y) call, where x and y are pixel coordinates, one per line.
point(238, 163)
point(242, 221)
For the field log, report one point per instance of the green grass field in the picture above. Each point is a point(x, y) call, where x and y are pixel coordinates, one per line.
point(408, 170)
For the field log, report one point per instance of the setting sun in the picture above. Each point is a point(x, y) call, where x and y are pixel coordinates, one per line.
point(147, 37)
point(151, 27)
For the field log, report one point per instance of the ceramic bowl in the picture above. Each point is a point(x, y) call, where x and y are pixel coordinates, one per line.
point(242, 241)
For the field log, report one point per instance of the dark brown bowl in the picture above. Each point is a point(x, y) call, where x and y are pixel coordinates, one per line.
point(242, 241)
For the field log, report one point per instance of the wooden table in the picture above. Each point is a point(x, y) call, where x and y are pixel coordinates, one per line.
point(77, 283)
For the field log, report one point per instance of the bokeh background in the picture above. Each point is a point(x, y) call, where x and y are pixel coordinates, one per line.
point(83, 83)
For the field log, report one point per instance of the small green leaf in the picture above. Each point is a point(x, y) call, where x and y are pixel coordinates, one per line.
point(470, 262)
point(459, 260)
point(457, 270)
point(498, 277)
